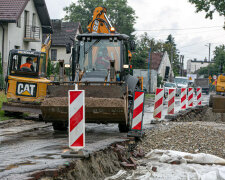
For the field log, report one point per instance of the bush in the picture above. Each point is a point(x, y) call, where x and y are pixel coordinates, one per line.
point(159, 81)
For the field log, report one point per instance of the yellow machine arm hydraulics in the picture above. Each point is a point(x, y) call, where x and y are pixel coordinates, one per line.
point(100, 22)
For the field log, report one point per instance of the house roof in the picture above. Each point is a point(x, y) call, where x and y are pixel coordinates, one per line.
point(156, 60)
point(11, 10)
point(63, 32)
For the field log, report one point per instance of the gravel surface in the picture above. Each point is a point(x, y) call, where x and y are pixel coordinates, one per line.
point(192, 137)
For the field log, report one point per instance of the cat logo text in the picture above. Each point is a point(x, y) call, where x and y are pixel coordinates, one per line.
point(26, 89)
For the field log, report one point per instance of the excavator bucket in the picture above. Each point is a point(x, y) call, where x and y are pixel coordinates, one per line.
point(103, 103)
point(218, 105)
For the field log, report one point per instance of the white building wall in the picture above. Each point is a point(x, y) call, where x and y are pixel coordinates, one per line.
point(193, 66)
point(144, 73)
point(15, 35)
point(61, 54)
point(164, 63)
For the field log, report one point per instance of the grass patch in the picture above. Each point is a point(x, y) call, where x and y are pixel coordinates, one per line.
point(149, 95)
point(2, 99)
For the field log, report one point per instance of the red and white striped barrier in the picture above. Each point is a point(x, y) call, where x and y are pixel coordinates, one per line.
point(138, 110)
point(199, 96)
point(76, 119)
point(171, 100)
point(183, 98)
point(158, 107)
point(190, 97)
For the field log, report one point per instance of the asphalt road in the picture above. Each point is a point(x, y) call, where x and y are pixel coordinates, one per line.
point(27, 146)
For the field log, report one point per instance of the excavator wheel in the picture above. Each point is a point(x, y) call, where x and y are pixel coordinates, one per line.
point(13, 114)
point(211, 101)
point(60, 126)
point(123, 128)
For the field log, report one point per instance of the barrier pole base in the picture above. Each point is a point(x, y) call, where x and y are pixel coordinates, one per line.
point(137, 134)
point(75, 154)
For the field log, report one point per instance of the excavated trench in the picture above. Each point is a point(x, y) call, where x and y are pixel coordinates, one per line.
point(109, 161)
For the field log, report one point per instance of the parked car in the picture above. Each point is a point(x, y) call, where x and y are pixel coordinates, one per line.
point(167, 86)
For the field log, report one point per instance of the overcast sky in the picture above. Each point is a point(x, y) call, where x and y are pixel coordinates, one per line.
point(192, 32)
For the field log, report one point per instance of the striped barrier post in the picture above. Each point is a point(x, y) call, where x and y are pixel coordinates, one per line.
point(190, 97)
point(199, 96)
point(137, 116)
point(76, 119)
point(171, 101)
point(158, 107)
point(183, 98)
point(138, 110)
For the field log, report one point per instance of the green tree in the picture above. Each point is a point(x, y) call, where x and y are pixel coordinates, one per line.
point(120, 14)
point(219, 58)
point(49, 68)
point(204, 70)
point(210, 7)
point(170, 47)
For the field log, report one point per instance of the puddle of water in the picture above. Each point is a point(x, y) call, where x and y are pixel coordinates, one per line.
point(12, 166)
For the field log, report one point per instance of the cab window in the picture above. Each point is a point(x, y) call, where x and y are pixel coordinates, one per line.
point(21, 64)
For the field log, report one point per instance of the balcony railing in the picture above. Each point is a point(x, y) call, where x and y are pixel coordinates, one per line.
point(32, 33)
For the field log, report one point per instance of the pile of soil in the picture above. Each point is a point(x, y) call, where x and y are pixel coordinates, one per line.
point(192, 137)
point(89, 102)
point(200, 114)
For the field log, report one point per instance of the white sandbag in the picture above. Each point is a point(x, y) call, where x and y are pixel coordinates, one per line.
point(169, 156)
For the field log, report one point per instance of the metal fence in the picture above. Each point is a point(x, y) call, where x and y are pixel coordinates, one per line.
point(32, 32)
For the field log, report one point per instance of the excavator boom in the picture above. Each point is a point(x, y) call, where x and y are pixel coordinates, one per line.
point(100, 22)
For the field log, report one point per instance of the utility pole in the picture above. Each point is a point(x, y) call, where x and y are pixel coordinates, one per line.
point(209, 51)
point(209, 57)
point(171, 62)
point(149, 71)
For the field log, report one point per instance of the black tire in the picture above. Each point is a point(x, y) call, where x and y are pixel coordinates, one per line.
point(60, 126)
point(211, 101)
point(123, 128)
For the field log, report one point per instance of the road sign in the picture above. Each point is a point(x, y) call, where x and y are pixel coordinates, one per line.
point(214, 77)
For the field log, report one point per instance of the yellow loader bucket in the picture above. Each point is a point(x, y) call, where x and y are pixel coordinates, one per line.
point(103, 104)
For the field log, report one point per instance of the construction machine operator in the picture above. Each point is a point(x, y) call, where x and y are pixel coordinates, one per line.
point(103, 59)
point(28, 65)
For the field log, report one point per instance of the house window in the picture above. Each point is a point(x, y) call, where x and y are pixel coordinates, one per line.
point(26, 18)
point(53, 54)
point(18, 24)
point(34, 20)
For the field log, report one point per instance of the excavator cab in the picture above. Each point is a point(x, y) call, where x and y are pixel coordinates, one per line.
point(26, 81)
point(102, 56)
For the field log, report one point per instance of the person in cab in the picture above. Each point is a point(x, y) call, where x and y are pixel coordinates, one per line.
point(28, 65)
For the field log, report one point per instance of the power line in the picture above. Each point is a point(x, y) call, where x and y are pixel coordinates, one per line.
point(200, 42)
point(182, 34)
point(179, 29)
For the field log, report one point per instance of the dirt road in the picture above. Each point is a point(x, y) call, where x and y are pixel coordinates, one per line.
point(29, 146)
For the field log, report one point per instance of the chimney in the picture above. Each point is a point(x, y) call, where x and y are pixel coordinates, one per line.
point(56, 23)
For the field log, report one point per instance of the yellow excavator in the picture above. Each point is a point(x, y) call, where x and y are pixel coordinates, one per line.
point(217, 102)
point(100, 66)
point(27, 81)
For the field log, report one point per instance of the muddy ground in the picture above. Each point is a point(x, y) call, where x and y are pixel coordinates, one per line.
point(195, 131)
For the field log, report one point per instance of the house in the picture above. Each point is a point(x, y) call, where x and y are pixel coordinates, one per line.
point(22, 23)
point(194, 65)
point(160, 66)
point(160, 62)
point(63, 33)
